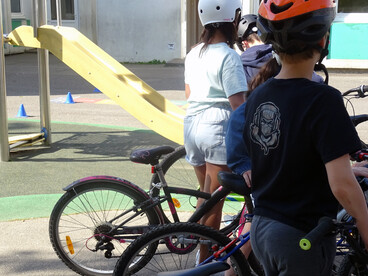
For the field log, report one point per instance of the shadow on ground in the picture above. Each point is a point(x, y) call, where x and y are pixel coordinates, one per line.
point(74, 143)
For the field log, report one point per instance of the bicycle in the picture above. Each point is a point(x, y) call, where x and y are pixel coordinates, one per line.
point(177, 243)
point(93, 217)
point(173, 246)
point(356, 260)
point(357, 92)
point(342, 245)
point(178, 170)
point(351, 263)
point(176, 248)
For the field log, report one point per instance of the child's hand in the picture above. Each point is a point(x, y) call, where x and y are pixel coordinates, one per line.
point(248, 178)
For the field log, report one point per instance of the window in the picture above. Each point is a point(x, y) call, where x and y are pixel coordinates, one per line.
point(15, 6)
point(352, 6)
point(352, 11)
point(67, 9)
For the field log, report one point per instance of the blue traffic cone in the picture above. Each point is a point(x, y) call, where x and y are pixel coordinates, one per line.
point(22, 112)
point(69, 99)
point(96, 90)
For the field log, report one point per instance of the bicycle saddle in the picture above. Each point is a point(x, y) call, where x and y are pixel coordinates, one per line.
point(233, 182)
point(149, 156)
point(203, 270)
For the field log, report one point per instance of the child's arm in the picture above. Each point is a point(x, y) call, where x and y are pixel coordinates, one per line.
point(348, 192)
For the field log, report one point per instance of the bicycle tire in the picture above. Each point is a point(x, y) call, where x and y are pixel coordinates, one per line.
point(183, 237)
point(178, 172)
point(83, 215)
point(347, 268)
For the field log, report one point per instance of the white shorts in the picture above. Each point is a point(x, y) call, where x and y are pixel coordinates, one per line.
point(204, 135)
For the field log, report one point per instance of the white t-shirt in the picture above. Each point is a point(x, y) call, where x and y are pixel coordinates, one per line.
point(213, 76)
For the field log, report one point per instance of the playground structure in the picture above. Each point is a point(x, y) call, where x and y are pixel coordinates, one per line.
point(4, 144)
point(94, 65)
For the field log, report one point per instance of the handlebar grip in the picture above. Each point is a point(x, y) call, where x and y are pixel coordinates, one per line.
point(364, 88)
point(360, 90)
point(325, 226)
point(360, 155)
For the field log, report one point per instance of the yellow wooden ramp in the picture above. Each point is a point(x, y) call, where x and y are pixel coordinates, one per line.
point(108, 75)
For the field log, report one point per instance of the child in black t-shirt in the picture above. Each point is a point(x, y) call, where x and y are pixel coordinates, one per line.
point(299, 137)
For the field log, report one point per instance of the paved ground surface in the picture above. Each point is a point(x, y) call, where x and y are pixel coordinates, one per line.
point(93, 136)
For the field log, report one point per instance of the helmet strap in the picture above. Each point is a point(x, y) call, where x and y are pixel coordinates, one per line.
point(324, 52)
point(277, 57)
point(240, 45)
point(321, 67)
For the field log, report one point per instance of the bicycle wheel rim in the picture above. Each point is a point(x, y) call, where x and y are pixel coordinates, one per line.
point(97, 203)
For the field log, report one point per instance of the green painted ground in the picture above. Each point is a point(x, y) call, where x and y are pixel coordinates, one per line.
point(27, 207)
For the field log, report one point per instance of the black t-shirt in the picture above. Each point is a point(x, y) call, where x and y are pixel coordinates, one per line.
point(293, 128)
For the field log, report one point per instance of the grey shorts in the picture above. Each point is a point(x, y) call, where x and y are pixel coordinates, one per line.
point(276, 245)
point(204, 135)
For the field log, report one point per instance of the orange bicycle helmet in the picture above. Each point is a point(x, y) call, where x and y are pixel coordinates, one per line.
point(288, 24)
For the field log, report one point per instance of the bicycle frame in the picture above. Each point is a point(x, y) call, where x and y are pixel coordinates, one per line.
point(210, 199)
point(207, 205)
point(153, 200)
point(244, 238)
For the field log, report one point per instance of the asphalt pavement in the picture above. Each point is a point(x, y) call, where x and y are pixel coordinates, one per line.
point(94, 136)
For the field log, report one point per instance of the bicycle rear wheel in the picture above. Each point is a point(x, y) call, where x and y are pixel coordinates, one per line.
point(176, 249)
point(179, 173)
point(84, 216)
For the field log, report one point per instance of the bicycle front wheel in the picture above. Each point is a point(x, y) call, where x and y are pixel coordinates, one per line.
point(177, 248)
point(179, 173)
point(81, 223)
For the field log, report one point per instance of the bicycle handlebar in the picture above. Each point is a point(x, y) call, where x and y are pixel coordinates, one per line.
point(325, 226)
point(360, 90)
point(360, 155)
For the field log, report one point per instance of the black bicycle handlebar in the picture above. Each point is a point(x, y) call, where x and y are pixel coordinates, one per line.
point(360, 90)
point(326, 225)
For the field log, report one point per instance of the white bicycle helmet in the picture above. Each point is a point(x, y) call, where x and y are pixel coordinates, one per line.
point(216, 11)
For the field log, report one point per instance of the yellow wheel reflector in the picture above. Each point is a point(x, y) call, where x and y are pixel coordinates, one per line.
point(176, 203)
point(70, 245)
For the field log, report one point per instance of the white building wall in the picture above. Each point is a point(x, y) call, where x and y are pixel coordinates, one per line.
point(139, 30)
point(26, 7)
point(87, 18)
